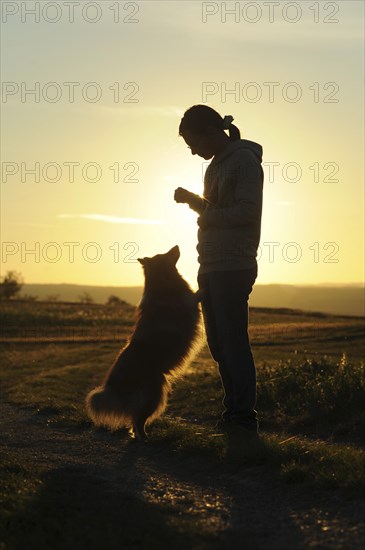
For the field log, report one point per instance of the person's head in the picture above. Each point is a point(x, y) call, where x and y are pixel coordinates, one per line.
point(203, 130)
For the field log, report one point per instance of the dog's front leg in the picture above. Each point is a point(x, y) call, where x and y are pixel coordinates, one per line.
point(198, 296)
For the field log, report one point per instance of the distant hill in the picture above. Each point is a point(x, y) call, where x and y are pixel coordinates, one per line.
point(71, 293)
point(344, 300)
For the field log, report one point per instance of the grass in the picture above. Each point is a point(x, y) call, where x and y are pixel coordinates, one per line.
point(52, 378)
point(311, 392)
point(28, 321)
point(292, 395)
point(314, 392)
point(298, 458)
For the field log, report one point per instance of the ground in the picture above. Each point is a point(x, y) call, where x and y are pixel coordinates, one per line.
point(67, 484)
point(96, 482)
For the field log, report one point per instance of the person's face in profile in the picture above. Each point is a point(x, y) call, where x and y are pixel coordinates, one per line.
point(200, 144)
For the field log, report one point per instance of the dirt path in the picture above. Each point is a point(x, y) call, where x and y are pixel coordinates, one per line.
point(107, 474)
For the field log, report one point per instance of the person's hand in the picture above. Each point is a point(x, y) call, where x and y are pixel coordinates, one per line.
point(182, 195)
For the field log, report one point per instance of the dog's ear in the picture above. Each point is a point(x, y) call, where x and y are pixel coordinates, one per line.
point(174, 254)
point(141, 260)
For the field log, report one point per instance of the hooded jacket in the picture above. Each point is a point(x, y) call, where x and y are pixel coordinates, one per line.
point(230, 209)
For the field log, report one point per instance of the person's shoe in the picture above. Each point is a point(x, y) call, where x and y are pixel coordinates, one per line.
point(233, 428)
point(221, 424)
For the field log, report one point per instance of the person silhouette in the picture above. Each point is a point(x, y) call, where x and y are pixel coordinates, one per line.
point(228, 237)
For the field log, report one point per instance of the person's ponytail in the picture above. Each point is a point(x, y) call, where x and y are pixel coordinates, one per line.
point(234, 132)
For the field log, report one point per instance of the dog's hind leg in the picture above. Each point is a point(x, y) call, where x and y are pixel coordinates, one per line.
point(152, 404)
point(139, 431)
point(142, 415)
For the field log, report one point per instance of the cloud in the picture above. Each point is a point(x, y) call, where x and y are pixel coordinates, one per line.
point(110, 219)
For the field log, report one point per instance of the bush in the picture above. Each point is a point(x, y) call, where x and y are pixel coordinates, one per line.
point(86, 298)
point(115, 301)
point(11, 285)
point(314, 390)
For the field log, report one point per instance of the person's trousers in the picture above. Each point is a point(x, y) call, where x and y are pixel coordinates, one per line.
point(225, 313)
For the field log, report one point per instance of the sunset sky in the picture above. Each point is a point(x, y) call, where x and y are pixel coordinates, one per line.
point(103, 127)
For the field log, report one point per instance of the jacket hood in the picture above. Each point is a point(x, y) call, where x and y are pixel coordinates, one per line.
point(254, 147)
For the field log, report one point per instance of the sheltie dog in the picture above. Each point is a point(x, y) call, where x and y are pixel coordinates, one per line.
point(136, 387)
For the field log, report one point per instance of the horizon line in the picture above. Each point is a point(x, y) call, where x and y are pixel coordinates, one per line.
point(327, 284)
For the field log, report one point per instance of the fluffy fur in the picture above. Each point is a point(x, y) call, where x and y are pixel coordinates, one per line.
point(136, 387)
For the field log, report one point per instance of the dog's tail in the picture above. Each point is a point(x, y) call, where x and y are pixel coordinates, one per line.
point(105, 408)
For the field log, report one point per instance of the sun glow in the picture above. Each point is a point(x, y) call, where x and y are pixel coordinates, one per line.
point(107, 169)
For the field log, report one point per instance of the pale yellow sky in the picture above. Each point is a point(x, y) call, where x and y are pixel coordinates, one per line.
point(105, 151)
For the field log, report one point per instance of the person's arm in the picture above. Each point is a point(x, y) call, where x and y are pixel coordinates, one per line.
point(248, 199)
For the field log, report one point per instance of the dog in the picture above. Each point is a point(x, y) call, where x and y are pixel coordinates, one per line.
point(135, 390)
